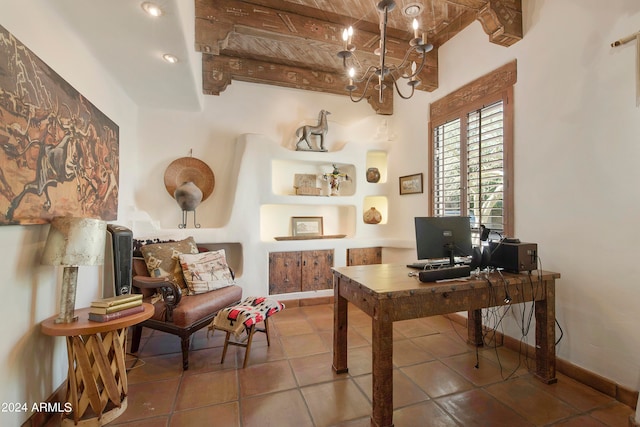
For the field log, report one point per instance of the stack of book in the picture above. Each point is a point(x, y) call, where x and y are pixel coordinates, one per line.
point(106, 309)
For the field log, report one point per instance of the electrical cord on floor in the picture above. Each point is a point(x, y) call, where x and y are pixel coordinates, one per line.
point(497, 319)
point(492, 316)
point(135, 362)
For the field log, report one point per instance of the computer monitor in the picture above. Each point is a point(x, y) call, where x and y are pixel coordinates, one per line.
point(443, 237)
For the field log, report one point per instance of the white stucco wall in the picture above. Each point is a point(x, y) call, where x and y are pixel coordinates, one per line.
point(576, 142)
point(32, 365)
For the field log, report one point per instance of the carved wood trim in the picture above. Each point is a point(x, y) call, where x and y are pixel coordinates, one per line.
point(218, 70)
point(486, 85)
point(225, 25)
point(502, 21)
point(214, 20)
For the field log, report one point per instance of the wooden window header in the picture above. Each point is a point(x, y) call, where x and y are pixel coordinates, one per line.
point(491, 83)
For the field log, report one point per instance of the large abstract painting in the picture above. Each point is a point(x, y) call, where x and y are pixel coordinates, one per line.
point(59, 153)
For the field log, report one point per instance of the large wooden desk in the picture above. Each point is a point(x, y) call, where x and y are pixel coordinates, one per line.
point(387, 294)
point(97, 378)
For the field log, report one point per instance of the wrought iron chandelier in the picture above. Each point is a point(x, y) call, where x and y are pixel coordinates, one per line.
point(407, 70)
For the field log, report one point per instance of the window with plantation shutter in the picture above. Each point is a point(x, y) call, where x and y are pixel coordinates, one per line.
point(471, 139)
point(447, 169)
point(485, 167)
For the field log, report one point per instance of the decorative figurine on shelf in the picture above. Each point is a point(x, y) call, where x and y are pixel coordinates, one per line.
point(335, 178)
point(304, 132)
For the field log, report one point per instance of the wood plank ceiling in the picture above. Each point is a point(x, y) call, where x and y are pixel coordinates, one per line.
point(294, 43)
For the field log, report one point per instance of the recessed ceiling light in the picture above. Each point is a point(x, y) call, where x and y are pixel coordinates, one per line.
point(171, 59)
point(412, 9)
point(151, 9)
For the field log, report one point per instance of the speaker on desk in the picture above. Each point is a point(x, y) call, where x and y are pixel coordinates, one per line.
point(480, 257)
point(118, 258)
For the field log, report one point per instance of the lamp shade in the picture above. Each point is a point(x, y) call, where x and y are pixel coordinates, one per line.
point(75, 241)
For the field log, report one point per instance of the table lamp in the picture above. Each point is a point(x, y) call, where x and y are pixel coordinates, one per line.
point(72, 242)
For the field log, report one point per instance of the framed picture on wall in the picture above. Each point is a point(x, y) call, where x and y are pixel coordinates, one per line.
point(306, 226)
point(59, 154)
point(411, 184)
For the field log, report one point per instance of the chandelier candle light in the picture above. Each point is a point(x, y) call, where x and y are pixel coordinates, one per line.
point(407, 69)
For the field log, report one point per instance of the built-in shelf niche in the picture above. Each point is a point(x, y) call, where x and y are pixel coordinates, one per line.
point(378, 159)
point(275, 220)
point(283, 176)
point(380, 203)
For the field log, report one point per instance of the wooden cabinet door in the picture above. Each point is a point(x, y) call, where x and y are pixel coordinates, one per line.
point(316, 270)
point(284, 272)
point(364, 256)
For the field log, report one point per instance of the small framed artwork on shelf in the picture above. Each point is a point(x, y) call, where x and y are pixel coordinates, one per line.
point(411, 184)
point(305, 185)
point(306, 226)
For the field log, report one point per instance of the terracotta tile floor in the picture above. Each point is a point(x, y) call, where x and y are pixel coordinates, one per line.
point(291, 383)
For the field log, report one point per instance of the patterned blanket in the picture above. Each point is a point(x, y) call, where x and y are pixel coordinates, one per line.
point(245, 314)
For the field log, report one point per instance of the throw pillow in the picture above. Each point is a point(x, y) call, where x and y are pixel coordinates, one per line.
point(163, 259)
point(139, 243)
point(206, 271)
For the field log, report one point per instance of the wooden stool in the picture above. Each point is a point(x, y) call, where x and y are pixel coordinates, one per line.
point(245, 316)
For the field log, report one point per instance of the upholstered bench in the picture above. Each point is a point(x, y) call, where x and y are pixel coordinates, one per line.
point(245, 316)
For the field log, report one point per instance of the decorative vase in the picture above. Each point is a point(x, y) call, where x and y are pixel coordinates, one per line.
point(188, 196)
point(373, 175)
point(372, 216)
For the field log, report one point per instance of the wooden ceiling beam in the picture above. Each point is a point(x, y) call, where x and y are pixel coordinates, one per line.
point(502, 21)
point(294, 44)
point(219, 71)
point(215, 20)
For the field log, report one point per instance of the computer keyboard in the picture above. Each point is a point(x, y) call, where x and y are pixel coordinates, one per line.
point(422, 265)
point(444, 273)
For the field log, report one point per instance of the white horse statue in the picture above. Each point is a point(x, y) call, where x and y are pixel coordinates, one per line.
point(304, 132)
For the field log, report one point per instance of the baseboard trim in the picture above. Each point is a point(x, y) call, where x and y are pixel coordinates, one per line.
point(604, 385)
point(57, 399)
point(306, 302)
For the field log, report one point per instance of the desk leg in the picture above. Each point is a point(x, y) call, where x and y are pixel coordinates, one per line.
point(339, 330)
point(546, 334)
point(474, 327)
point(382, 367)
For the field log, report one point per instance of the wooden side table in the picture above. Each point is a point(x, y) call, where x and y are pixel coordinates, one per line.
point(97, 378)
